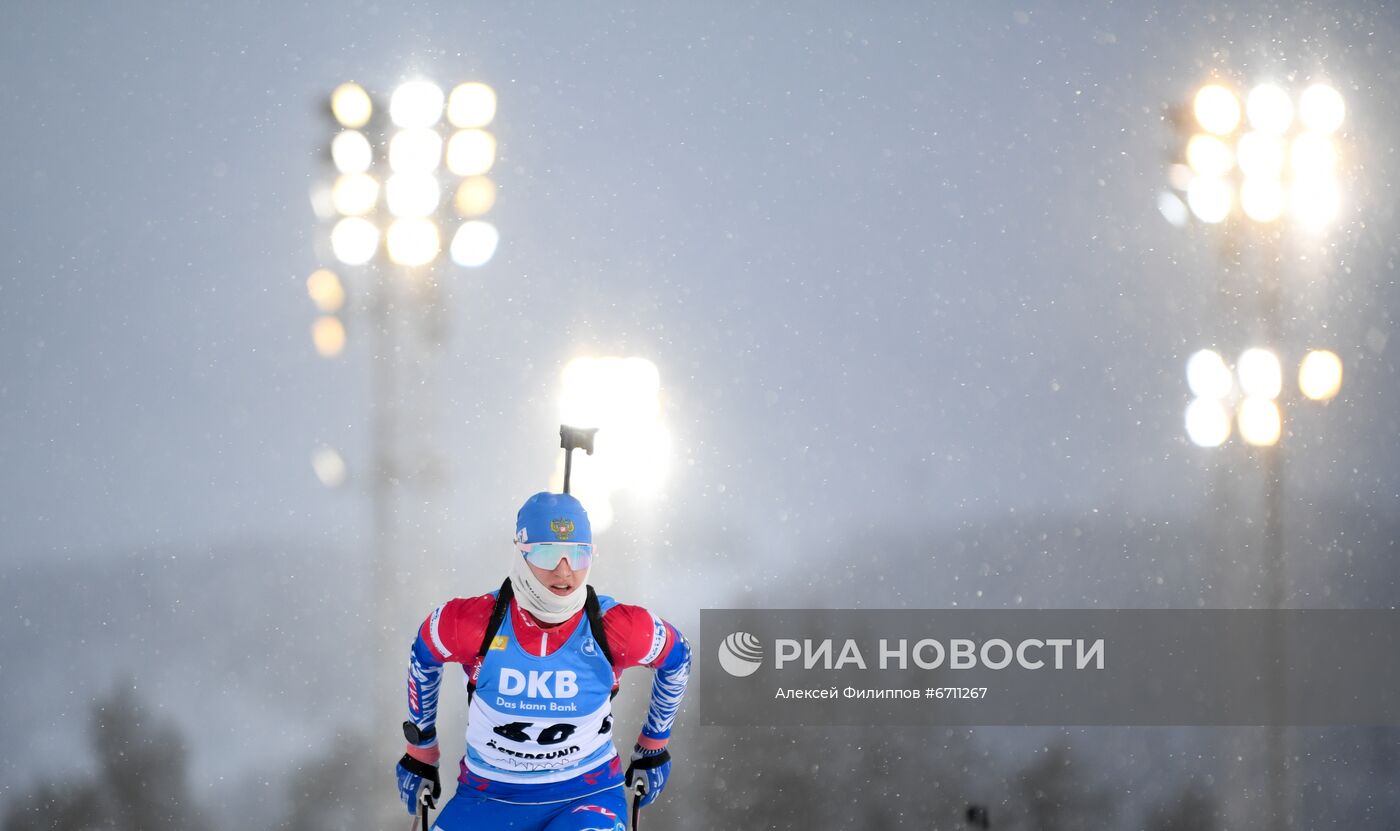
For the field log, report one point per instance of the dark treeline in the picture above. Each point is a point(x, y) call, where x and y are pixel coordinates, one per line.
point(796, 779)
point(141, 781)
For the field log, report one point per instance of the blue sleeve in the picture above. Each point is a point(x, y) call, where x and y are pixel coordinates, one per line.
point(424, 681)
point(667, 688)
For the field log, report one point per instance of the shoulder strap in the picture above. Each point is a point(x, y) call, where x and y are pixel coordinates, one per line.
point(498, 616)
point(595, 622)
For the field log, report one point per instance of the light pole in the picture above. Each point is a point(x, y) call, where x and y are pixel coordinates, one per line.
point(1250, 165)
point(406, 176)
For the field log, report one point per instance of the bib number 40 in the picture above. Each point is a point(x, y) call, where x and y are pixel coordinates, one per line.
point(553, 734)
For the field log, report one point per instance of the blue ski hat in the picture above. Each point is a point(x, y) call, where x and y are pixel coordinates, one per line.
point(552, 517)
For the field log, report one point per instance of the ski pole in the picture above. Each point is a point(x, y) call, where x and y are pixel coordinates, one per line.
point(571, 439)
point(639, 790)
point(425, 801)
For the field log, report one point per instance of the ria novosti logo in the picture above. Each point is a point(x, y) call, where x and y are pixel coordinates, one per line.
point(741, 654)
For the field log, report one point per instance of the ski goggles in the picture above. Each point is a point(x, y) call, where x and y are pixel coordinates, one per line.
point(546, 555)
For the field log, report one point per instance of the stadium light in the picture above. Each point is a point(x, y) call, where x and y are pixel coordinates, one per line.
point(329, 466)
point(415, 150)
point(1269, 108)
point(351, 106)
point(1207, 155)
point(1322, 108)
point(1260, 421)
point(1284, 164)
point(1261, 155)
point(412, 194)
point(328, 335)
point(1208, 376)
point(377, 191)
point(354, 240)
point(1320, 375)
point(471, 105)
point(351, 152)
point(1207, 422)
point(355, 194)
point(471, 152)
point(1262, 199)
point(1253, 391)
point(475, 196)
point(1217, 110)
point(412, 241)
point(621, 397)
point(1210, 199)
point(416, 104)
point(1261, 374)
point(325, 290)
point(474, 244)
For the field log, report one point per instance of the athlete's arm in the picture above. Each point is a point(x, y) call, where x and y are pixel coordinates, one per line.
point(667, 688)
point(451, 634)
point(636, 637)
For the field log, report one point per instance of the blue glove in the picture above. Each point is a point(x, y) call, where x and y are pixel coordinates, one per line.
point(411, 774)
point(653, 767)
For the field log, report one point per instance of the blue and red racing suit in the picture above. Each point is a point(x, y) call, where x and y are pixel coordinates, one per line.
point(539, 727)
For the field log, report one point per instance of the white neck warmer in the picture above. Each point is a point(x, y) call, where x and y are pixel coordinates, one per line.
point(536, 598)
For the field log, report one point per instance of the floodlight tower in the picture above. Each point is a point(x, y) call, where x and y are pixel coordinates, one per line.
point(1264, 169)
point(404, 178)
point(1249, 165)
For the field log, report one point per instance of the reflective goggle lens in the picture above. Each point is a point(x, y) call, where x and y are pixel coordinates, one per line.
point(546, 555)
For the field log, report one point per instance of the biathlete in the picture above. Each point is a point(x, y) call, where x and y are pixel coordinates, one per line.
point(543, 656)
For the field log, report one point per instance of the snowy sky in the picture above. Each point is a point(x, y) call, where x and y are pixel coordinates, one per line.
point(898, 264)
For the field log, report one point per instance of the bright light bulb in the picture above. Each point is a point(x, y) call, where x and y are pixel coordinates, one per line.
point(351, 152)
point(328, 336)
point(1261, 374)
point(1262, 200)
point(412, 241)
point(1210, 198)
point(1207, 422)
point(1314, 156)
point(1173, 209)
point(355, 194)
point(1316, 203)
point(471, 152)
point(1261, 155)
point(1320, 375)
point(475, 196)
point(1261, 421)
point(329, 467)
point(1208, 376)
point(411, 194)
point(1209, 156)
point(1217, 110)
point(416, 104)
point(354, 240)
point(474, 244)
point(1322, 108)
point(471, 105)
point(1270, 109)
point(415, 151)
point(325, 290)
point(351, 106)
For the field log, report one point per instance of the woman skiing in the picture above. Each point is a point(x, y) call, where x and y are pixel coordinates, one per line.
point(542, 657)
